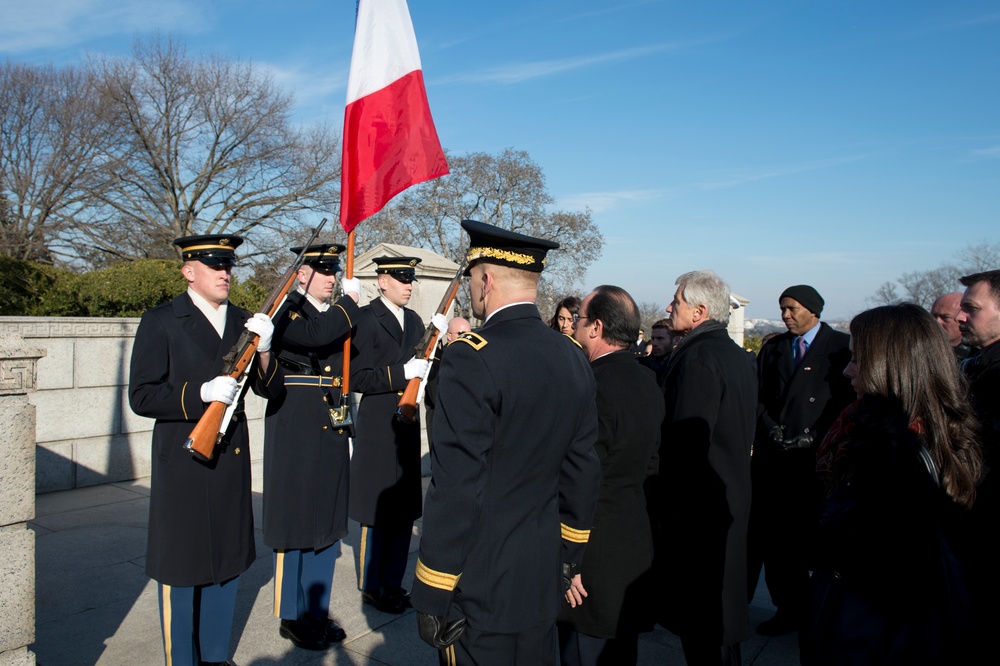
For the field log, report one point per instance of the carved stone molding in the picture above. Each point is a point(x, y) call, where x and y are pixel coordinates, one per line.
point(18, 365)
point(70, 327)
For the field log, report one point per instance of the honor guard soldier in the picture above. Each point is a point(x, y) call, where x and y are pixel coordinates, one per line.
point(307, 456)
point(201, 535)
point(385, 468)
point(516, 478)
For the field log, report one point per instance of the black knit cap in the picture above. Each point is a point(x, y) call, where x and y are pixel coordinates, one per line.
point(807, 296)
point(214, 250)
point(493, 245)
point(322, 256)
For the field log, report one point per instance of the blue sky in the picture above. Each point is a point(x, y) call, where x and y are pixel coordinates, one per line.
point(838, 143)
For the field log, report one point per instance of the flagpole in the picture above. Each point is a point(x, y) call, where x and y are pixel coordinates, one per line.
point(348, 273)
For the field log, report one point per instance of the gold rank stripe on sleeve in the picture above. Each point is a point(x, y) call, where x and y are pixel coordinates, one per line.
point(574, 535)
point(346, 316)
point(474, 340)
point(183, 410)
point(438, 579)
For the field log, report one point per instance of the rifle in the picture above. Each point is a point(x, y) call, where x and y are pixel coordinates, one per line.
point(236, 364)
point(407, 408)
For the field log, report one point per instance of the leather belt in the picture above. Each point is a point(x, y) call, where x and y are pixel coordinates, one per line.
point(312, 380)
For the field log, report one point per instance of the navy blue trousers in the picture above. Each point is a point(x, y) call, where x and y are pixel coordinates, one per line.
point(197, 622)
point(302, 582)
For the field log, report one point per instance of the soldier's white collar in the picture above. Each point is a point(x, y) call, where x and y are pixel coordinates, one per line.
point(215, 316)
point(322, 306)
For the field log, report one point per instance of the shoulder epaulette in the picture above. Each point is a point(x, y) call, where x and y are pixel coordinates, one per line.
point(474, 340)
point(573, 340)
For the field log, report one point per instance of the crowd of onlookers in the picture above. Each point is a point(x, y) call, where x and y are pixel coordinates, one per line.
point(853, 470)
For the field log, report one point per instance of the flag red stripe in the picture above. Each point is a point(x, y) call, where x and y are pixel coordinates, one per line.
point(389, 144)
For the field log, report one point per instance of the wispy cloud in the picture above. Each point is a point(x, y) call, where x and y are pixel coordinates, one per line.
point(600, 202)
point(523, 71)
point(311, 84)
point(46, 24)
point(736, 177)
point(990, 152)
point(959, 24)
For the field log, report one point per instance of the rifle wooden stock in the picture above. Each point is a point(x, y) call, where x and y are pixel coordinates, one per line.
point(406, 410)
point(209, 429)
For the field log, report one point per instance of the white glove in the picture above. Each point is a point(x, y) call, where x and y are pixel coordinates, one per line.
point(351, 286)
point(440, 322)
point(221, 389)
point(415, 367)
point(261, 324)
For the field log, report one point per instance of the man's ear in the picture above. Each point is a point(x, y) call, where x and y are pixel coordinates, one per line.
point(187, 272)
point(597, 329)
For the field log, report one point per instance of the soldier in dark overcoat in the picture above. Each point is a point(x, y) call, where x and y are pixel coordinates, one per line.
point(711, 398)
point(201, 535)
point(307, 455)
point(385, 467)
point(615, 571)
point(515, 476)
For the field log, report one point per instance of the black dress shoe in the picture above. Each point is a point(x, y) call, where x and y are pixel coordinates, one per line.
point(227, 662)
point(384, 602)
point(303, 634)
point(334, 634)
point(781, 623)
point(401, 594)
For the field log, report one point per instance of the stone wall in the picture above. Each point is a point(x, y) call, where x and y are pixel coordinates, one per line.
point(86, 434)
point(17, 500)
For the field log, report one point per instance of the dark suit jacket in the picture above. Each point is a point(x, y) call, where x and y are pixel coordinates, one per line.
point(620, 550)
point(306, 460)
point(200, 515)
point(385, 469)
point(515, 477)
point(711, 396)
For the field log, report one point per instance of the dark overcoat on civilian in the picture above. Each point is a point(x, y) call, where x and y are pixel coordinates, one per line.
point(620, 550)
point(200, 513)
point(306, 459)
point(385, 468)
point(711, 398)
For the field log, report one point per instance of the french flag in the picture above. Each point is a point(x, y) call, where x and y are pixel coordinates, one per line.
point(389, 138)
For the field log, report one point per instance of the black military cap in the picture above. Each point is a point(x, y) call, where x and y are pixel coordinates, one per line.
point(211, 250)
point(493, 245)
point(401, 268)
point(323, 256)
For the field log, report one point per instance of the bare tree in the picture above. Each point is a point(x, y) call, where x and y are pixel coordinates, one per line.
point(649, 314)
point(507, 190)
point(202, 146)
point(923, 287)
point(52, 147)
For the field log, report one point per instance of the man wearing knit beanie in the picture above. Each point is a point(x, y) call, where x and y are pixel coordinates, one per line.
point(801, 390)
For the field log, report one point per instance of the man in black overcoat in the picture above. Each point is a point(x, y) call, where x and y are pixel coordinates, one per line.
point(801, 391)
point(515, 476)
point(711, 396)
point(979, 321)
point(385, 468)
point(201, 534)
point(307, 455)
point(604, 629)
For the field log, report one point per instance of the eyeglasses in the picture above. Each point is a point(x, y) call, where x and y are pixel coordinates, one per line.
point(577, 318)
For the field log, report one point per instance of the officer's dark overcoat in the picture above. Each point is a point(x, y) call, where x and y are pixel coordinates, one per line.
point(385, 468)
point(306, 459)
point(200, 515)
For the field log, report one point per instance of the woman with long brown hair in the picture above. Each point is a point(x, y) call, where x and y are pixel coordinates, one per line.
point(901, 465)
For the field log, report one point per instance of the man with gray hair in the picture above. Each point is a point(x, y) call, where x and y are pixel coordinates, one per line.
point(711, 398)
